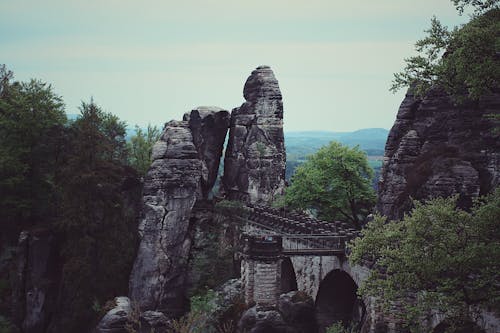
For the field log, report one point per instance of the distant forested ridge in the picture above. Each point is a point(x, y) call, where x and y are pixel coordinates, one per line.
point(299, 145)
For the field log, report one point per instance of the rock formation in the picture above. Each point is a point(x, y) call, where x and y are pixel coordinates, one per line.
point(293, 314)
point(116, 320)
point(254, 164)
point(183, 171)
point(208, 127)
point(436, 148)
point(36, 283)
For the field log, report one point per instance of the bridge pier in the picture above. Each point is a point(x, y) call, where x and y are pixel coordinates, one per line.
point(261, 270)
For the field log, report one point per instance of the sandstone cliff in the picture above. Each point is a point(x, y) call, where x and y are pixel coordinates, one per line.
point(436, 148)
point(183, 171)
point(254, 164)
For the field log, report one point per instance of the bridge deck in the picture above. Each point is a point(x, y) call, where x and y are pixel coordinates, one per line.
point(302, 236)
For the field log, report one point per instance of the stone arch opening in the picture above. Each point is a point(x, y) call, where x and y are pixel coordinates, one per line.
point(288, 277)
point(337, 301)
point(447, 327)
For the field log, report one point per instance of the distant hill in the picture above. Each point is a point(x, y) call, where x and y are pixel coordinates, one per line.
point(301, 144)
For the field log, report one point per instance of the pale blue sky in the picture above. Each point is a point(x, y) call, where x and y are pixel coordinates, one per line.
point(151, 60)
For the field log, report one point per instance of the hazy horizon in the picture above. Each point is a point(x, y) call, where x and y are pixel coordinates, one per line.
point(152, 61)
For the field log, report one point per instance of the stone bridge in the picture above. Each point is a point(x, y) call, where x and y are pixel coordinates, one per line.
point(289, 251)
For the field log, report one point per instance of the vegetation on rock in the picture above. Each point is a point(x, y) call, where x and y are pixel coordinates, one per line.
point(335, 183)
point(463, 61)
point(140, 148)
point(437, 258)
point(71, 179)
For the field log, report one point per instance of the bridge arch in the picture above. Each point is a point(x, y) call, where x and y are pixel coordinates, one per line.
point(337, 300)
point(288, 276)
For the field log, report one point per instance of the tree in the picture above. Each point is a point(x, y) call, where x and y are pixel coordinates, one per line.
point(478, 5)
point(140, 148)
point(97, 218)
point(335, 183)
point(32, 119)
point(437, 258)
point(5, 77)
point(463, 61)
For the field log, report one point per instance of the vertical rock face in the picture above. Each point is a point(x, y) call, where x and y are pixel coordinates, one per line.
point(208, 127)
point(35, 288)
point(185, 163)
point(254, 164)
point(436, 148)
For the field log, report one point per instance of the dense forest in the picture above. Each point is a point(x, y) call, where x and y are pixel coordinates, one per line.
point(78, 179)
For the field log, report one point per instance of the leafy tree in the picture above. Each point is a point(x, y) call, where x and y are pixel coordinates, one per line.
point(96, 216)
point(335, 183)
point(463, 61)
point(31, 124)
point(436, 258)
point(478, 5)
point(140, 148)
point(5, 77)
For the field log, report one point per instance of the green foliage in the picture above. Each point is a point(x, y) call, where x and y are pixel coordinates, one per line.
point(140, 148)
point(204, 302)
point(94, 216)
point(212, 258)
point(478, 5)
point(70, 178)
point(199, 319)
point(339, 328)
point(31, 123)
point(230, 208)
point(261, 149)
point(436, 258)
point(462, 61)
point(5, 325)
point(335, 182)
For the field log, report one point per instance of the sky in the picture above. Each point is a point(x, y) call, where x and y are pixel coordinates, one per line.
point(150, 61)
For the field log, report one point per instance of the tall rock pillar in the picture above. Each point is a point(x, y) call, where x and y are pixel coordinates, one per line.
point(184, 168)
point(254, 164)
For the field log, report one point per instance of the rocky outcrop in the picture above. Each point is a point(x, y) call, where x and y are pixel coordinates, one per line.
point(183, 171)
point(116, 320)
point(436, 148)
point(254, 163)
point(36, 282)
point(208, 127)
point(123, 318)
point(294, 314)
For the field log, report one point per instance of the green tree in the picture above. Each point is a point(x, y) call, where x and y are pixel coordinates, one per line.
point(335, 183)
point(32, 119)
point(140, 148)
point(463, 61)
point(96, 217)
point(436, 258)
point(478, 5)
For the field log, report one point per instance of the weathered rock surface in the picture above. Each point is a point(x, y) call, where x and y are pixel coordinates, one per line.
point(171, 187)
point(254, 163)
point(294, 314)
point(298, 312)
point(153, 321)
point(35, 286)
point(208, 127)
point(116, 320)
point(184, 167)
point(123, 318)
point(436, 148)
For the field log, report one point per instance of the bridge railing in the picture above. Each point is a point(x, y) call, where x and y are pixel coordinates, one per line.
point(300, 235)
point(314, 243)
